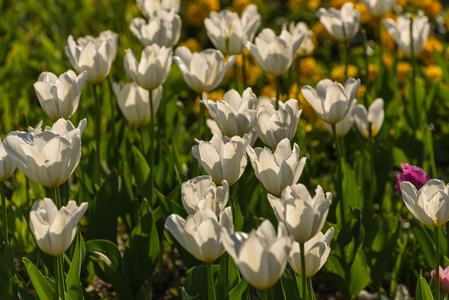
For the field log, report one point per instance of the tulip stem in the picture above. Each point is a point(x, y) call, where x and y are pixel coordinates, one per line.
point(151, 150)
point(340, 175)
point(412, 50)
point(437, 264)
point(365, 40)
point(264, 294)
point(278, 91)
point(303, 271)
point(5, 222)
point(236, 78)
point(58, 262)
point(298, 82)
point(57, 197)
point(346, 47)
point(244, 69)
point(210, 282)
point(97, 130)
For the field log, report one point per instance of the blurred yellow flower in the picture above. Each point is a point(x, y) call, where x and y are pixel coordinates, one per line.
point(297, 5)
point(426, 55)
point(366, 17)
point(338, 73)
point(420, 3)
point(434, 9)
point(319, 31)
point(192, 44)
point(373, 72)
point(337, 4)
point(361, 92)
point(252, 69)
point(386, 39)
point(434, 72)
point(402, 70)
point(239, 5)
point(402, 3)
point(310, 70)
point(197, 11)
point(387, 60)
point(215, 95)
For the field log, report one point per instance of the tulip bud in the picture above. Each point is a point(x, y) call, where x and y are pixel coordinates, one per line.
point(444, 279)
point(342, 24)
point(54, 229)
point(369, 123)
point(414, 174)
point(7, 165)
point(378, 7)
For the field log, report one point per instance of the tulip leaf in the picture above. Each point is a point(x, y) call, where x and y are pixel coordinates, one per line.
point(106, 247)
point(425, 241)
point(41, 285)
point(423, 291)
point(103, 210)
point(441, 61)
point(233, 276)
point(74, 288)
point(141, 173)
point(196, 279)
point(240, 291)
point(359, 275)
point(5, 273)
point(289, 285)
point(10, 288)
point(351, 189)
point(141, 253)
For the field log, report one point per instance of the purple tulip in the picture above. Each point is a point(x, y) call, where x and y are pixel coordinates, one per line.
point(414, 174)
point(444, 279)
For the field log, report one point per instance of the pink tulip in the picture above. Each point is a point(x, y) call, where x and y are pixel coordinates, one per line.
point(414, 174)
point(444, 279)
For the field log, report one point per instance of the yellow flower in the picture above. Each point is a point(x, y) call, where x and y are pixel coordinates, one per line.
point(387, 60)
point(434, 9)
point(239, 5)
point(297, 5)
point(310, 70)
point(252, 70)
point(426, 55)
point(373, 72)
point(337, 4)
point(197, 11)
point(216, 95)
point(193, 45)
point(434, 72)
point(361, 92)
point(338, 73)
point(402, 70)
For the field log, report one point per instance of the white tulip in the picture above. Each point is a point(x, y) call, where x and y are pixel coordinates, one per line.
point(151, 8)
point(342, 24)
point(202, 193)
point(230, 113)
point(134, 102)
point(275, 54)
point(307, 46)
point(261, 256)
point(47, 157)
point(93, 55)
point(201, 233)
point(153, 68)
point(430, 204)
point(316, 252)
point(273, 125)
point(379, 7)
point(228, 32)
point(223, 158)
point(54, 229)
point(343, 127)
point(202, 71)
point(331, 101)
point(303, 215)
point(7, 165)
point(163, 30)
point(369, 123)
point(278, 170)
point(400, 31)
point(59, 96)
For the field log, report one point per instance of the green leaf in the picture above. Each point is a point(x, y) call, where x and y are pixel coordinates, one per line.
point(74, 288)
point(423, 291)
point(240, 291)
point(359, 276)
point(141, 173)
point(141, 253)
point(106, 247)
point(41, 285)
point(289, 285)
point(9, 290)
point(233, 276)
point(425, 242)
point(351, 189)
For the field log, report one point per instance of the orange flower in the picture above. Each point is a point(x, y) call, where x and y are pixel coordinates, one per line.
point(193, 45)
point(426, 55)
point(434, 72)
point(197, 11)
point(338, 73)
point(297, 5)
point(402, 70)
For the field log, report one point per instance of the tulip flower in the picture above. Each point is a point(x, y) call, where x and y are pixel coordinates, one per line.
point(342, 24)
point(230, 113)
point(133, 102)
point(202, 71)
point(59, 96)
point(223, 158)
point(415, 175)
point(163, 30)
point(303, 215)
point(331, 101)
point(430, 204)
point(343, 127)
point(54, 229)
point(228, 32)
point(93, 55)
point(202, 193)
point(369, 123)
point(153, 68)
point(444, 279)
point(47, 157)
point(400, 31)
point(261, 256)
point(7, 165)
point(273, 53)
point(272, 125)
point(307, 46)
point(379, 7)
point(201, 233)
point(279, 170)
point(151, 8)
point(316, 252)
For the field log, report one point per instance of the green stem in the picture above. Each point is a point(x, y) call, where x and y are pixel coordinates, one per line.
point(57, 197)
point(310, 287)
point(303, 271)
point(210, 282)
point(431, 153)
point(5, 222)
point(58, 262)
point(346, 46)
point(236, 78)
point(112, 116)
point(412, 50)
point(379, 30)
point(365, 39)
point(340, 175)
point(298, 81)
point(278, 91)
point(264, 294)
point(225, 258)
point(151, 150)
point(97, 129)
point(373, 175)
point(244, 69)
point(437, 264)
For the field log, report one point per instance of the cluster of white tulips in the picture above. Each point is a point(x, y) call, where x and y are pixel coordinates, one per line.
point(48, 157)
